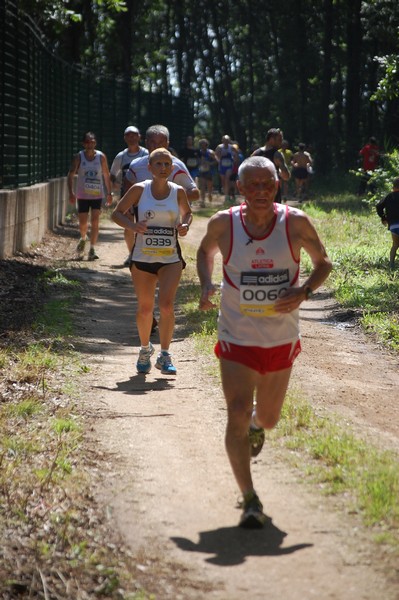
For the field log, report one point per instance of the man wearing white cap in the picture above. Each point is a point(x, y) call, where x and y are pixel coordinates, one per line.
point(122, 161)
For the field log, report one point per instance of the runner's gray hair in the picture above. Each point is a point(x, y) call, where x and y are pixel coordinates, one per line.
point(255, 162)
point(157, 130)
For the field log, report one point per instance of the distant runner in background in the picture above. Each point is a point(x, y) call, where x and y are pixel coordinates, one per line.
point(234, 174)
point(190, 156)
point(271, 150)
point(121, 164)
point(207, 165)
point(287, 153)
point(388, 211)
point(370, 154)
point(301, 164)
point(227, 157)
point(91, 167)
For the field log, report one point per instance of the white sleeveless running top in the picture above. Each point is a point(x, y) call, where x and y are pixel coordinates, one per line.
point(159, 244)
point(90, 177)
point(254, 274)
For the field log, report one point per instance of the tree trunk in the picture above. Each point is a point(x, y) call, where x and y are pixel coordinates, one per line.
point(323, 144)
point(354, 55)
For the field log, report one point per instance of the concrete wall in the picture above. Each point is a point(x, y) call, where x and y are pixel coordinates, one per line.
point(27, 213)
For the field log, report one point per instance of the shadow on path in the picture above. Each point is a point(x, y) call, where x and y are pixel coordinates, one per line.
point(137, 384)
point(231, 545)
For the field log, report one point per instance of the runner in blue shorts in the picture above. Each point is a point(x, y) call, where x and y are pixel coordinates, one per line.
point(388, 211)
point(226, 156)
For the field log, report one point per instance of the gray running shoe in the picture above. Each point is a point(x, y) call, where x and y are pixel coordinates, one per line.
point(256, 440)
point(93, 254)
point(252, 516)
point(143, 364)
point(81, 245)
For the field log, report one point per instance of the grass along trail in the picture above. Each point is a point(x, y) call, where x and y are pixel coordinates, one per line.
point(172, 494)
point(149, 453)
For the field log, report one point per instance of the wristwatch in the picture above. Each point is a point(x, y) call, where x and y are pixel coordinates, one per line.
point(308, 292)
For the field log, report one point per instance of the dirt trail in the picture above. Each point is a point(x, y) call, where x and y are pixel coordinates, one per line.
point(167, 484)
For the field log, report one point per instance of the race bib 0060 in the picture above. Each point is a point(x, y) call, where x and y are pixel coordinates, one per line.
point(259, 291)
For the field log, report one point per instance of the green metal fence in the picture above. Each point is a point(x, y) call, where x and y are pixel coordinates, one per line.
point(47, 105)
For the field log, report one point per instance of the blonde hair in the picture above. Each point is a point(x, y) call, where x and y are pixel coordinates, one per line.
point(163, 151)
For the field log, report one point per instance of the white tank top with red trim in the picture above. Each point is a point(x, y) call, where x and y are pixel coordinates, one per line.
point(255, 274)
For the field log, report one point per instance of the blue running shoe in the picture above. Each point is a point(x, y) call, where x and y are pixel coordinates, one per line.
point(164, 363)
point(143, 364)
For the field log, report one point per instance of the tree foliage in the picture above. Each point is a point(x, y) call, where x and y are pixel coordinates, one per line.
point(388, 86)
point(326, 71)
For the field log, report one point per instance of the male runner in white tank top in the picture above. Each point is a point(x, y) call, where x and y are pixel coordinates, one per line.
point(258, 333)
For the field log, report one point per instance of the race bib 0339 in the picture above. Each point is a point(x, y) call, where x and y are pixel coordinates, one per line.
point(159, 241)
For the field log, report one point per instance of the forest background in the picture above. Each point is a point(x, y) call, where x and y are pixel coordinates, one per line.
point(327, 73)
point(324, 71)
